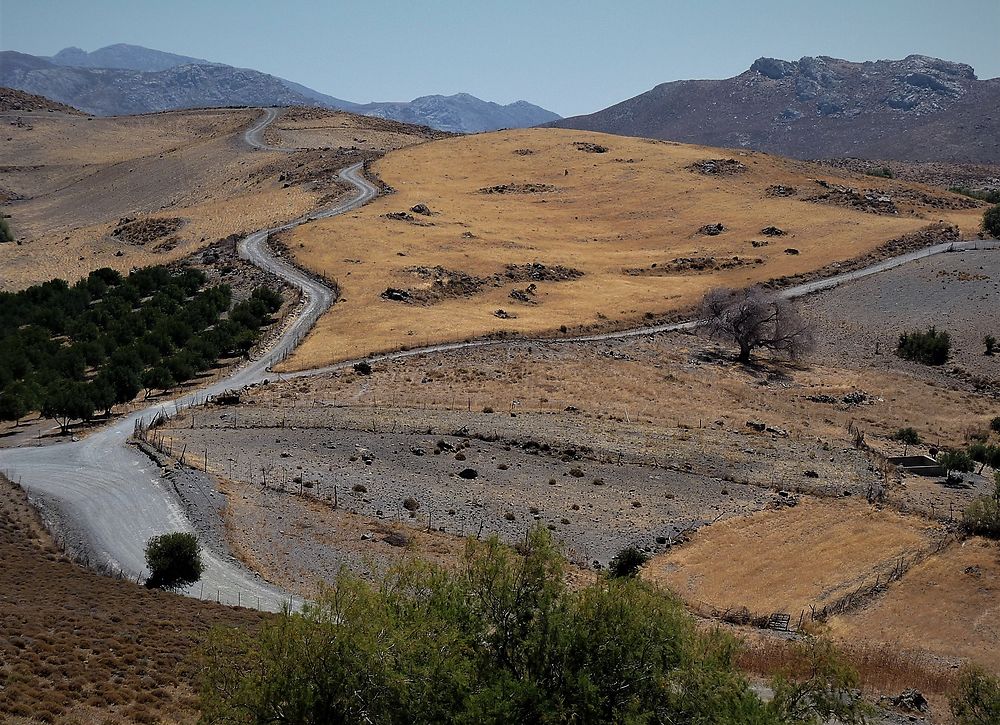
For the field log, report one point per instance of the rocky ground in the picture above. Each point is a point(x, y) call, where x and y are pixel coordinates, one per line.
point(933, 173)
point(958, 293)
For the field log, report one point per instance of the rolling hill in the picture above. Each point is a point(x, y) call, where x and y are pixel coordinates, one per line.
point(915, 109)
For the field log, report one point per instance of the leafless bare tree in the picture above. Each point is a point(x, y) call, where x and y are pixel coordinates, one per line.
point(752, 318)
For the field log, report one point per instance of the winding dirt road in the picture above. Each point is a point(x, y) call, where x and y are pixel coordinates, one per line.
point(114, 495)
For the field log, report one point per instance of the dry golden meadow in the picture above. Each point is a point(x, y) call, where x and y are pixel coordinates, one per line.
point(633, 206)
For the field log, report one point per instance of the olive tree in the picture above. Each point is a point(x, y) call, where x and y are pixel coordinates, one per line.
point(752, 318)
point(174, 561)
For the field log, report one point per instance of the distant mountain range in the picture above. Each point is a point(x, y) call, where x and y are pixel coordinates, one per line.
point(915, 109)
point(128, 79)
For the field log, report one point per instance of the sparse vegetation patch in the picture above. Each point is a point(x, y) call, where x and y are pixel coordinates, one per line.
point(931, 347)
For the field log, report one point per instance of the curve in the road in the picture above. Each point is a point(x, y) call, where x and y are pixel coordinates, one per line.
point(115, 494)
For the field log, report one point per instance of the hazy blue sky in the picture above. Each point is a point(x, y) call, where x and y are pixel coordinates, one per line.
point(571, 57)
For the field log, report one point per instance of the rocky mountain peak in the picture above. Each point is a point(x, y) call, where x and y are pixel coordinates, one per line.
point(913, 108)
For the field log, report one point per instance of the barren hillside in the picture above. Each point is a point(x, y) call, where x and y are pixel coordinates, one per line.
point(74, 185)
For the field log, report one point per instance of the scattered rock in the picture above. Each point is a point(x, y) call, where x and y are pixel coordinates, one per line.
point(518, 189)
point(468, 473)
point(810, 474)
point(590, 148)
point(712, 230)
point(399, 216)
point(757, 244)
point(525, 295)
point(786, 498)
point(421, 209)
point(860, 397)
point(718, 166)
point(773, 232)
point(536, 272)
point(871, 201)
point(822, 398)
point(524, 152)
point(395, 295)
point(911, 699)
point(504, 315)
point(692, 264)
point(757, 425)
point(781, 190)
point(143, 231)
point(791, 250)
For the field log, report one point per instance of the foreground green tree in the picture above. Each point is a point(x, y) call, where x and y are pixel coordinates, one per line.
point(977, 701)
point(174, 561)
point(502, 639)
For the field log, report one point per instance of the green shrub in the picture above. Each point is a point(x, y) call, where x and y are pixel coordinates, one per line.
point(909, 436)
point(174, 561)
point(991, 221)
point(977, 701)
point(982, 516)
point(627, 562)
point(883, 171)
point(930, 347)
point(995, 424)
point(990, 342)
point(991, 196)
point(5, 233)
point(501, 638)
point(955, 462)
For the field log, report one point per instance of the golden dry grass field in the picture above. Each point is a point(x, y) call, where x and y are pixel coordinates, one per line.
point(636, 205)
point(949, 604)
point(788, 559)
point(70, 179)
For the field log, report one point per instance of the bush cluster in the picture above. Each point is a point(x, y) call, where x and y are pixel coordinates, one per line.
point(500, 639)
point(991, 196)
point(174, 561)
point(930, 347)
point(977, 701)
point(72, 350)
point(5, 233)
